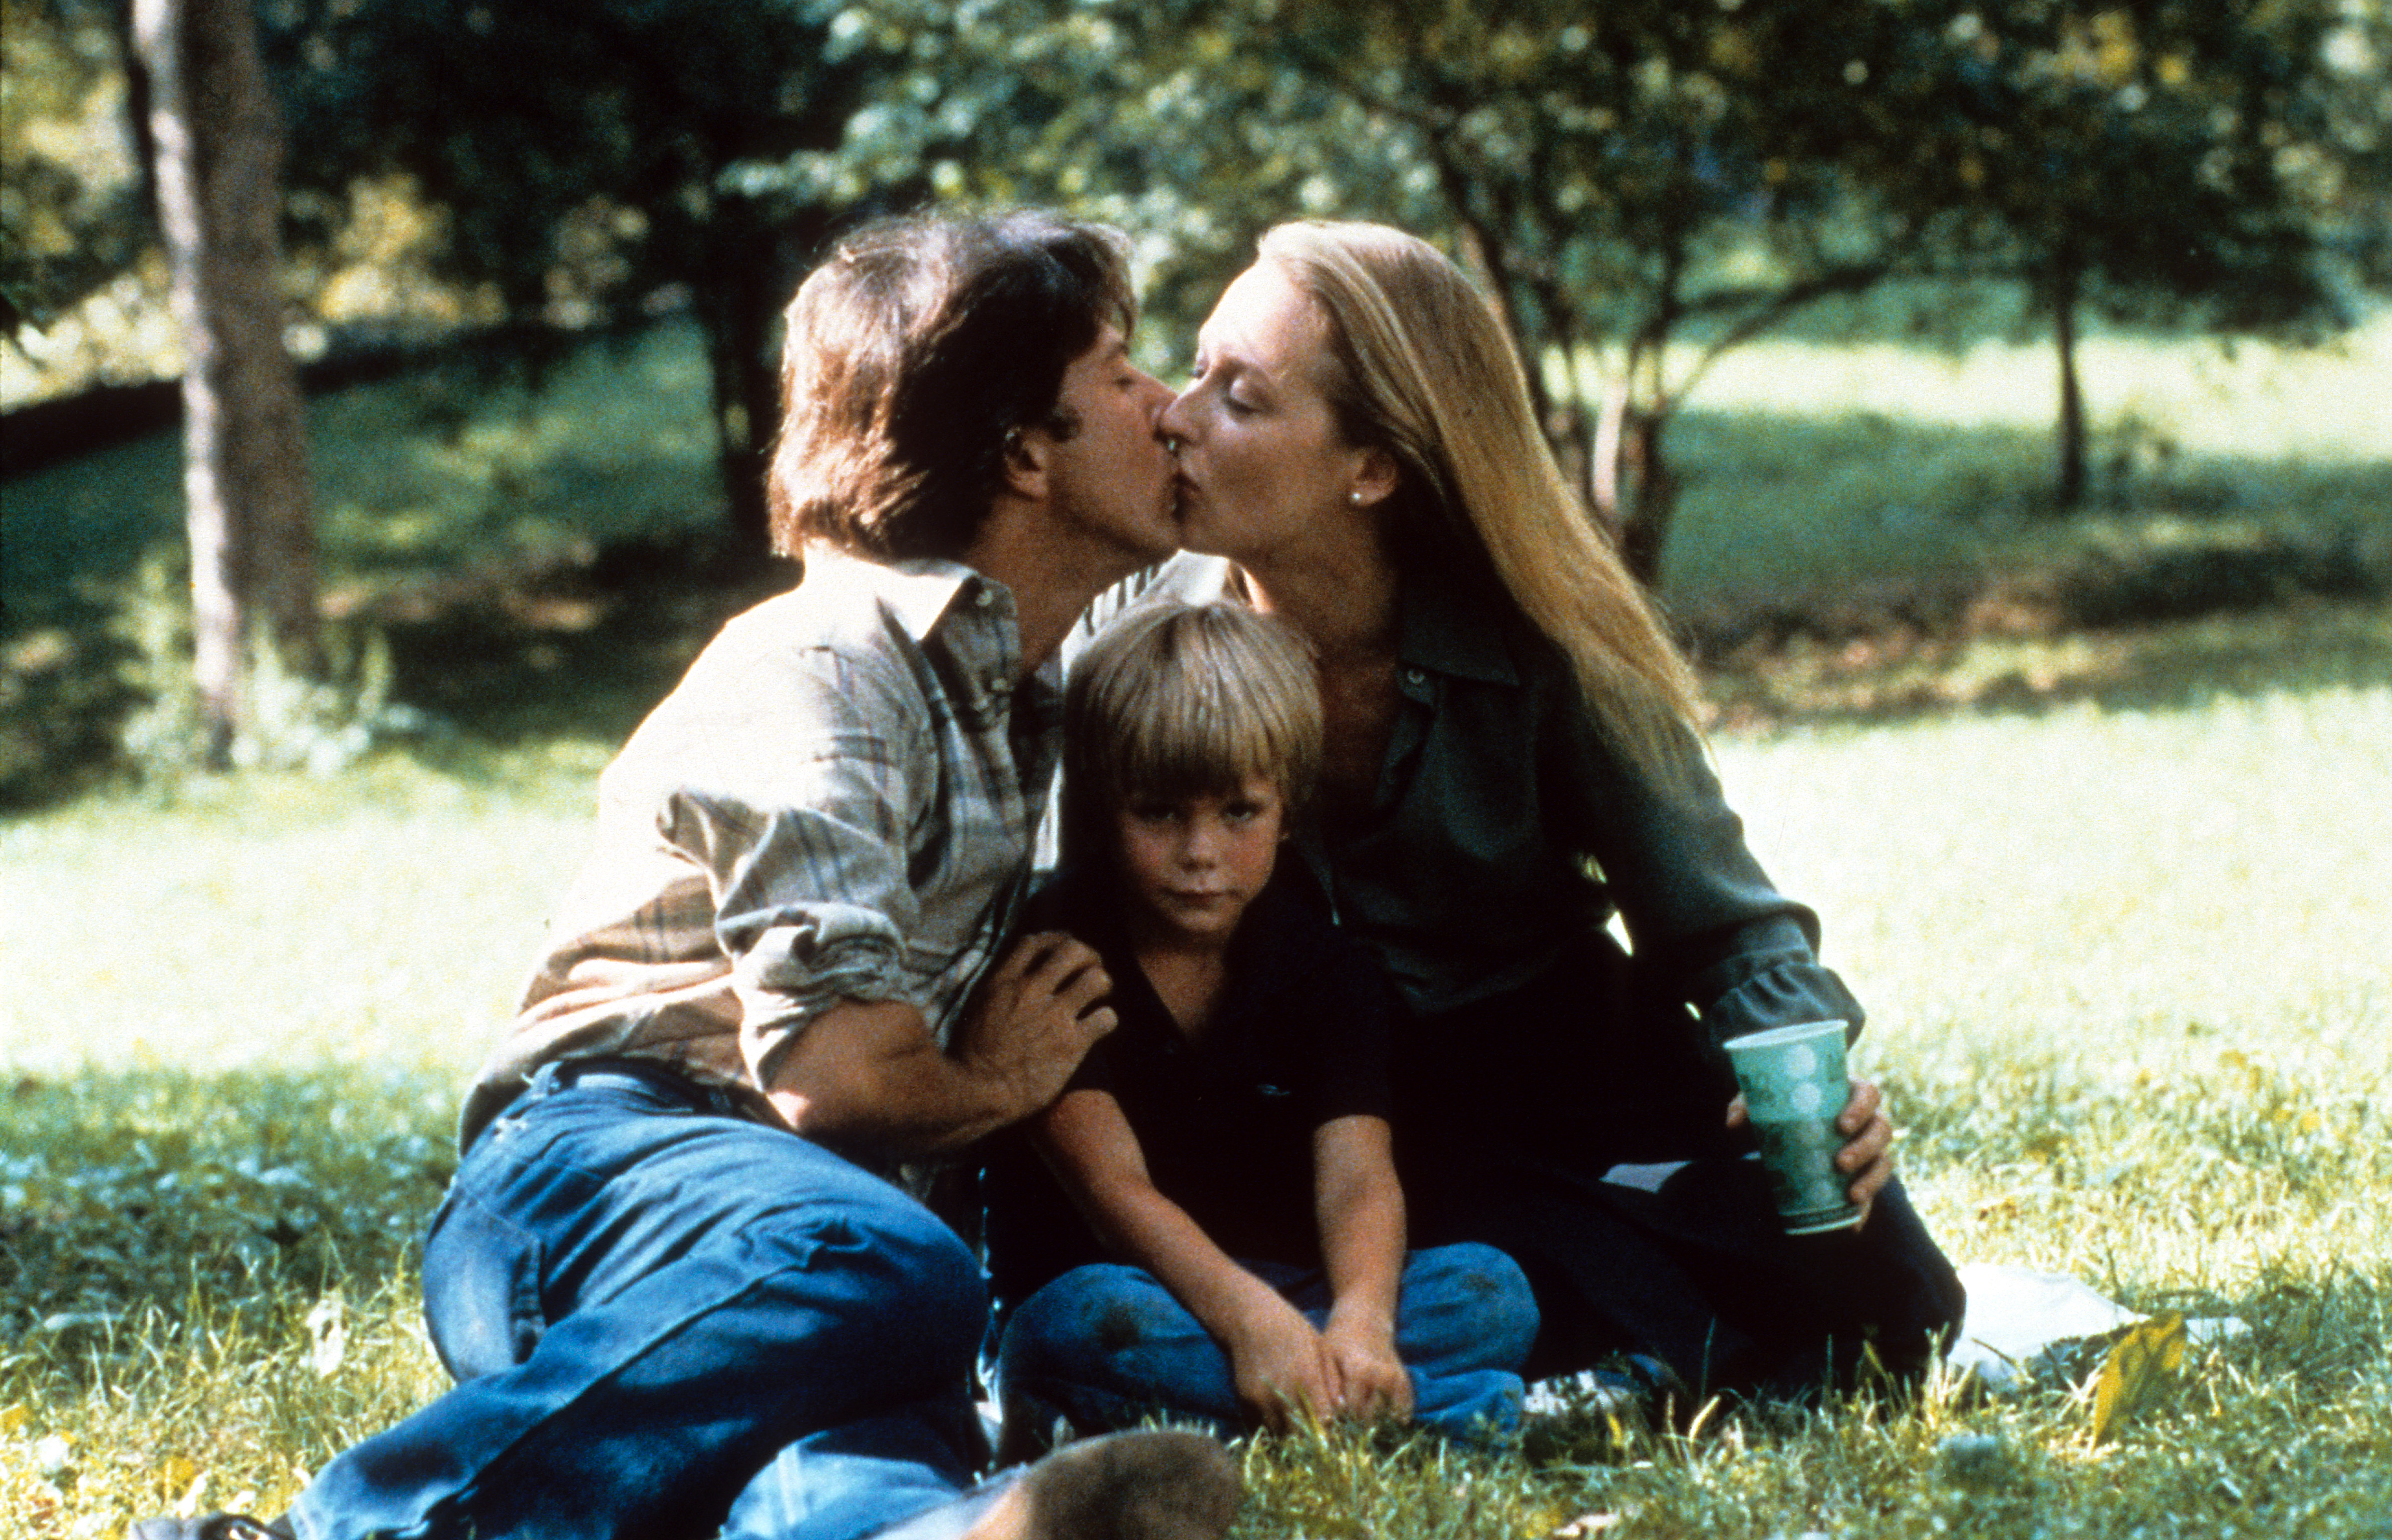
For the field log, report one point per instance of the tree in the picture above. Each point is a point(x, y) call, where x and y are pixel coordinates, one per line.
point(1617, 176)
point(73, 203)
point(252, 508)
point(2145, 159)
point(583, 157)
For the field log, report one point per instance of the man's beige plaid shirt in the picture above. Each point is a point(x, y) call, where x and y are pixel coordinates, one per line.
point(837, 802)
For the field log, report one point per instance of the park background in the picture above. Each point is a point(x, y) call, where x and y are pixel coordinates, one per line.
point(2072, 719)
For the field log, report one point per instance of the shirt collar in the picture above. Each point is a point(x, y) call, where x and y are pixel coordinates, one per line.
point(918, 590)
point(1450, 628)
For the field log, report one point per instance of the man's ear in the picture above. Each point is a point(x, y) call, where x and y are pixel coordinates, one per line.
point(1025, 463)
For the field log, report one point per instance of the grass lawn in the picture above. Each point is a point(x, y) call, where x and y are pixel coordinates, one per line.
point(2115, 895)
point(2129, 995)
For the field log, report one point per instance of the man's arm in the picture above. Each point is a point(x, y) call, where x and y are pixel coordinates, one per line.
point(868, 1075)
point(1276, 1359)
point(1360, 1209)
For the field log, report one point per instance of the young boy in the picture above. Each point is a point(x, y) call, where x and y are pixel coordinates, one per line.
point(1229, 1142)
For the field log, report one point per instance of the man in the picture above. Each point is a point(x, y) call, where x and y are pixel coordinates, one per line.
point(674, 1277)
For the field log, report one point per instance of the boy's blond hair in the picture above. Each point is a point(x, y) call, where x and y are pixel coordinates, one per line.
point(1175, 700)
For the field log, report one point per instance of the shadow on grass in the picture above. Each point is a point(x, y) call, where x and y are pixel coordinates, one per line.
point(575, 647)
point(135, 1194)
point(2302, 647)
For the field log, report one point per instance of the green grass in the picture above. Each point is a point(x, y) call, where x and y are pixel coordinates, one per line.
point(2128, 990)
point(2115, 896)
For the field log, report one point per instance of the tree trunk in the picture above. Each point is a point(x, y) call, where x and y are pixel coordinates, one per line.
point(251, 501)
point(757, 262)
point(745, 419)
point(1635, 494)
point(2066, 280)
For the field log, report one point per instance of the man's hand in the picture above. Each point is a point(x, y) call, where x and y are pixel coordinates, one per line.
point(1282, 1367)
point(1035, 1018)
point(867, 1076)
point(1867, 1154)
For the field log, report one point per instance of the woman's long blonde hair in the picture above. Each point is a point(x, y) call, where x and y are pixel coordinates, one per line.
point(1427, 371)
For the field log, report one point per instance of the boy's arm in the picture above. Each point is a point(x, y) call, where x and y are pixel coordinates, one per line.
point(1278, 1361)
point(1361, 1206)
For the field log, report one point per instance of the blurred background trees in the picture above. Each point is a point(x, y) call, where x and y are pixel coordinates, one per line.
point(1643, 187)
point(214, 140)
point(1623, 178)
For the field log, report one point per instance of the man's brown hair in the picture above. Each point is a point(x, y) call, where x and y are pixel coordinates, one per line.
point(915, 355)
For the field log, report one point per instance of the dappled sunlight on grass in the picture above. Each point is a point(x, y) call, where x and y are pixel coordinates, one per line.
point(2199, 395)
point(385, 918)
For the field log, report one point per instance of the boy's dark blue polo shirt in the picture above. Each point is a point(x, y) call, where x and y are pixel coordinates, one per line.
point(1225, 1122)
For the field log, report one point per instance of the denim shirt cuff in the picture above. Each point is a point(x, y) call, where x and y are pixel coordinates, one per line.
point(1782, 995)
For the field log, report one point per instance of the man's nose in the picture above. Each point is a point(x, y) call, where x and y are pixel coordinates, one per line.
point(1171, 421)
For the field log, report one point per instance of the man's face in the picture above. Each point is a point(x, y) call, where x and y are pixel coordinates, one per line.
point(1111, 480)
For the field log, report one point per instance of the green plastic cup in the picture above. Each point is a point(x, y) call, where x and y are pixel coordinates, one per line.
point(1794, 1085)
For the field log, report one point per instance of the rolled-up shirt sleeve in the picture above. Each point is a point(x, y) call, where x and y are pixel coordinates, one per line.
point(803, 844)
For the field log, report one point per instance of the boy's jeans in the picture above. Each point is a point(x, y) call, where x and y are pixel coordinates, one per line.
point(661, 1316)
point(1106, 1345)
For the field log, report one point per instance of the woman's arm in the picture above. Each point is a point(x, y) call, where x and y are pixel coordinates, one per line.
point(1279, 1364)
point(1361, 1206)
point(1705, 917)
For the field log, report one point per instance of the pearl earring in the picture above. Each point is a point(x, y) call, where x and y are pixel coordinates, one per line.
point(1354, 497)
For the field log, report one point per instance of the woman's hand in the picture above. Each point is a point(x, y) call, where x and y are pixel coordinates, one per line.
point(1282, 1367)
point(1373, 1385)
point(1867, 1154)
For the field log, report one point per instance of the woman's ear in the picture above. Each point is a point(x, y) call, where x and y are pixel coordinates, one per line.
point(1375, 479)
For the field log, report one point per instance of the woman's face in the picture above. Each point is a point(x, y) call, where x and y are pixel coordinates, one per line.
point(1264, 472)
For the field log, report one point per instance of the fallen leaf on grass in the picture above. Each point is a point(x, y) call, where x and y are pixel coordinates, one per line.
point(1585, 1524)
point(2148, 1353)
point(175, 1476)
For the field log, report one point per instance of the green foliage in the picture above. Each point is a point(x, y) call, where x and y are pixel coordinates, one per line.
point(2165, 155)
point(71, 191)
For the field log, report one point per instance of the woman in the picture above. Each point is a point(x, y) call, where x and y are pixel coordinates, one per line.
point(1510, 761)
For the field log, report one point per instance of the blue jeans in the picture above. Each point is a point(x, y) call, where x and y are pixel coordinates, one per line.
point(1106, 1345)
point(667, 1320)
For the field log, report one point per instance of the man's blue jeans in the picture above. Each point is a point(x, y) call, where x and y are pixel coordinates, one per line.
point(1106, 1345)
point(663, 1320)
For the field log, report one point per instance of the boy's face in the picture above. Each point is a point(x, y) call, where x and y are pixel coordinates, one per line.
point(1191, 865)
